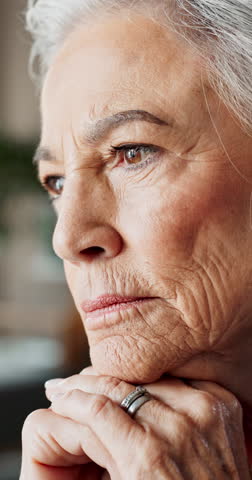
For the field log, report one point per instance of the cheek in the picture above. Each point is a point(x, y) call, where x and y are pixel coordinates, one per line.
point(166, 222)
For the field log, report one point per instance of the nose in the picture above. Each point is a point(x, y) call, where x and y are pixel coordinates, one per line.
point(85, 234)
point(94, 243)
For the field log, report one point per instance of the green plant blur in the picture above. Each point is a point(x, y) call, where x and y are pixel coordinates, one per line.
point(17, 175)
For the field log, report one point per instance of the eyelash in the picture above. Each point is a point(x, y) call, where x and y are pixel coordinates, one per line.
point(138, 147)
point(114, 151)
point(45, 183)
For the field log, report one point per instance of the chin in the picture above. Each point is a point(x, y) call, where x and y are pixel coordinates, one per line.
point(125, 374)
point(126, 367)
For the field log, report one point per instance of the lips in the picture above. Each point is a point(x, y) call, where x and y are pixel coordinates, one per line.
point(105, 301)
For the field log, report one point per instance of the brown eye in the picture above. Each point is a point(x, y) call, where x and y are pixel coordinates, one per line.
point(136, 155)
point(133, 155)
point(54, 185)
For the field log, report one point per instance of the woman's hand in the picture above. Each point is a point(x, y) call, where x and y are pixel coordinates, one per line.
point(53, 450)
point(188, 431)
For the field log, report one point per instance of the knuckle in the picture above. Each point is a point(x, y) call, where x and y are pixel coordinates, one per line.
point(99, 404)
point(72, 395)
point(232, 410)
point(206, 403)
point(69, 399)
point(236, 406)
point(33, 419)
point(32, 424)
point(113, 387)
point(208, 410)
point(233, 404)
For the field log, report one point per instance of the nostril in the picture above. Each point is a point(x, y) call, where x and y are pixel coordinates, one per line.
point(92, 252)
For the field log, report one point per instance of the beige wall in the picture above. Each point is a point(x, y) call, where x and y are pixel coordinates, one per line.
point(19, 116)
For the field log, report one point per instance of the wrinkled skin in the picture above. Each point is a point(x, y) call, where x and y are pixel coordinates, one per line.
point(178, 229)
point(187, 431)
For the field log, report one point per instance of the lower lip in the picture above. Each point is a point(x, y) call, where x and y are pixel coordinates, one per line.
point(106, 317)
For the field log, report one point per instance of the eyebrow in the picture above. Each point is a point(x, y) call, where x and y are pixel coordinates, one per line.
point(103, 127)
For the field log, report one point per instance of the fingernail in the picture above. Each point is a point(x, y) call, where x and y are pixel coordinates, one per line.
point(53, 383)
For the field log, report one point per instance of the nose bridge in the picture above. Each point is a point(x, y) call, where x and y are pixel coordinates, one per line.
point(85, 221)
point(78, 206)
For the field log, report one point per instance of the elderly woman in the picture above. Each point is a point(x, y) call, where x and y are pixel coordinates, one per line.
point(146, 155)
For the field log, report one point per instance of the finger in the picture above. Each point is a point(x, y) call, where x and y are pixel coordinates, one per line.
point(169, 392)
point(184, 401)
point(113, 388)
point(54, 440)
point(174, 392)
point(228, 404)
point(231, 415)
point(86, 371)
point(120, 434)
point(218, 391)
point(89, 371)
point(197, 403)
point(52, 448)
point(113, 427)
point(151, 414)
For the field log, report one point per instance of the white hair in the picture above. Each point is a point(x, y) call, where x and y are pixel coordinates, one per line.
point(220, 31)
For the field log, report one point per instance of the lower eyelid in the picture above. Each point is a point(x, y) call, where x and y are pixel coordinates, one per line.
point(142, 164)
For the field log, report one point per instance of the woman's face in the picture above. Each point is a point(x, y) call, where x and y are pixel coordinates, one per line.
point(166, 217)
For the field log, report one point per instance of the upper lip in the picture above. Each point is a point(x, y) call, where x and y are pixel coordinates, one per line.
point(106, 301)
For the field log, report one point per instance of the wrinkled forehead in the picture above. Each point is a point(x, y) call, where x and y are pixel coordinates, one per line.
point(133, 41)
point(118, 65)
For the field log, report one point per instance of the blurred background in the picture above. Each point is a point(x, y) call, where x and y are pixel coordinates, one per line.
point(41, 335)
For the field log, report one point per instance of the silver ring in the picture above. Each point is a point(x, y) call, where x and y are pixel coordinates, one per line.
point(132, 396)
point(135, 400)
point(138, 403)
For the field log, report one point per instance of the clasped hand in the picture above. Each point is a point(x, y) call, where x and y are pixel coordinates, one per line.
point(188, 431)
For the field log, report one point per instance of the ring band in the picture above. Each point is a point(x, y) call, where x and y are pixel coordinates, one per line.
point(132, 396)
point(135, 400)
point(138, 403)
